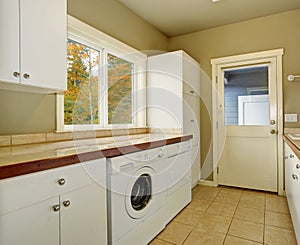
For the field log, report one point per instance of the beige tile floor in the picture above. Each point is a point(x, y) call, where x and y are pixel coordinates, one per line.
point(223, 215)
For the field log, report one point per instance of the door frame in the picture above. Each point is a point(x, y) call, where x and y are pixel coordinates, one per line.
point(240, 60)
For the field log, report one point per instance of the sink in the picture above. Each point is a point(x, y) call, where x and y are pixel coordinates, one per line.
point(294, 136)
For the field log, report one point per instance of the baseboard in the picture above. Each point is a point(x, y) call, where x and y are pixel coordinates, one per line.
point(207, 183)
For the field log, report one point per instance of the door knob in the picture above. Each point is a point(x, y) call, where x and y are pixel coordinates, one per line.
point(273, 131)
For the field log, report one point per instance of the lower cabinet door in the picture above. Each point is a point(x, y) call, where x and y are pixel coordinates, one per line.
point(33, 225)
point(83, 216)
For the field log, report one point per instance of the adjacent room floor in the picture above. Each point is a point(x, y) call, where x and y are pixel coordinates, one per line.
point(223, 215)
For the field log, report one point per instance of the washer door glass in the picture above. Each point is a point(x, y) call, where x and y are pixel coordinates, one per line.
point(141, 192)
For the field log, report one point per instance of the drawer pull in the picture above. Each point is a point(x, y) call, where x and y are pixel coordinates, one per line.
point(67, 203)
point(56, 208)
point(294, 176)
point(297, 166)
point(61, 181)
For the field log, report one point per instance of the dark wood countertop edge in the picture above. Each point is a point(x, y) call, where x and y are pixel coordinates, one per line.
point(17, 169)
point(291, 144)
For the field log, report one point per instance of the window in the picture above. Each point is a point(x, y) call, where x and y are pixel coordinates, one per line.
point(106, 82)
point(120, 79)
point(81, 100)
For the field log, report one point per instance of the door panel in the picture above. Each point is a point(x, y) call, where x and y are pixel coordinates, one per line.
point(83, 219)
point(36, 224)
point(9, 41)
point(247, 114)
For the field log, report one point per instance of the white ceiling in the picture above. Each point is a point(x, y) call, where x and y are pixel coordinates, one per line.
point(177, 17)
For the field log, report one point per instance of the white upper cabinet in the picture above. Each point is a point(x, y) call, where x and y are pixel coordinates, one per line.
point(171, 76)
point(33, 45)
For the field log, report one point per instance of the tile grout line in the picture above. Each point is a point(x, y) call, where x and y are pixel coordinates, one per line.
point(233, 217)
point(199, 220)
point(211, 201)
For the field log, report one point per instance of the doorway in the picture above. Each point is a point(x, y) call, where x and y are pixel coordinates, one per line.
point(247, 121)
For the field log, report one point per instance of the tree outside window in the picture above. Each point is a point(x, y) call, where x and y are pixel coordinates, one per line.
point(82, 99)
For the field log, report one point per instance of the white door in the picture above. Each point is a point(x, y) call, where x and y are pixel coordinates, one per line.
point(247, 134)
point(9, 41)
point(83, 216)
point(43, 46)
point(36, 224)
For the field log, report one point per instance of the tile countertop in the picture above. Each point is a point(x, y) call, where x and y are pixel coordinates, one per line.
point(24, 159)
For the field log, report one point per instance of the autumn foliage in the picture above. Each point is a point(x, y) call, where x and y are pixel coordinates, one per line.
point(87, 83)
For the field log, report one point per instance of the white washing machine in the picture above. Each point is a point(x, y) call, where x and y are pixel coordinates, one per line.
point(136, 192)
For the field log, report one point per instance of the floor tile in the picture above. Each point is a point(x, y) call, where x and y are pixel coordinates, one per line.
point(250, 214)
point(160, 242)
point(247, 230)
point(204, 237)
point(221, 209)
point(231, 240)
point(199, 205)
point(277, 204)
point(175, 232)
point(231, 189)
point(188, 217)
point(251, 201)
point(253, 193)
point(214, 222)
point(279, 220)
point(228, 197)
point(205, 194)
point(279, 236)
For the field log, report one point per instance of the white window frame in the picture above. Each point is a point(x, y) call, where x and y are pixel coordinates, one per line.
point(87, 35)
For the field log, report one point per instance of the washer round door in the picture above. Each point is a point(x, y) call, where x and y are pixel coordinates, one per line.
point(139, 196)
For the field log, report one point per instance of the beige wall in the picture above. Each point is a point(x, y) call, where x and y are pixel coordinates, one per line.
point(33, 113)
point(113, 18)
point(272, 32)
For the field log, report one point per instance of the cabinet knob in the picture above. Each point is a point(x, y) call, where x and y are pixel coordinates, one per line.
point(286, 157)
point(294, 176)
point(192, 92)
point(273, 131)
point(61, 181)
point(56, 208)
point(292, 156)
point(66, 203)
point(297, 166)
point(16, 74)
point(26, 76)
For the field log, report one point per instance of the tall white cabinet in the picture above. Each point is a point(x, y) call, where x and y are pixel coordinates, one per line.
point(173, 98)
point(33, 45)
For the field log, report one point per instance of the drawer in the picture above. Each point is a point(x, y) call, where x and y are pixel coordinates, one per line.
point(25, 190)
